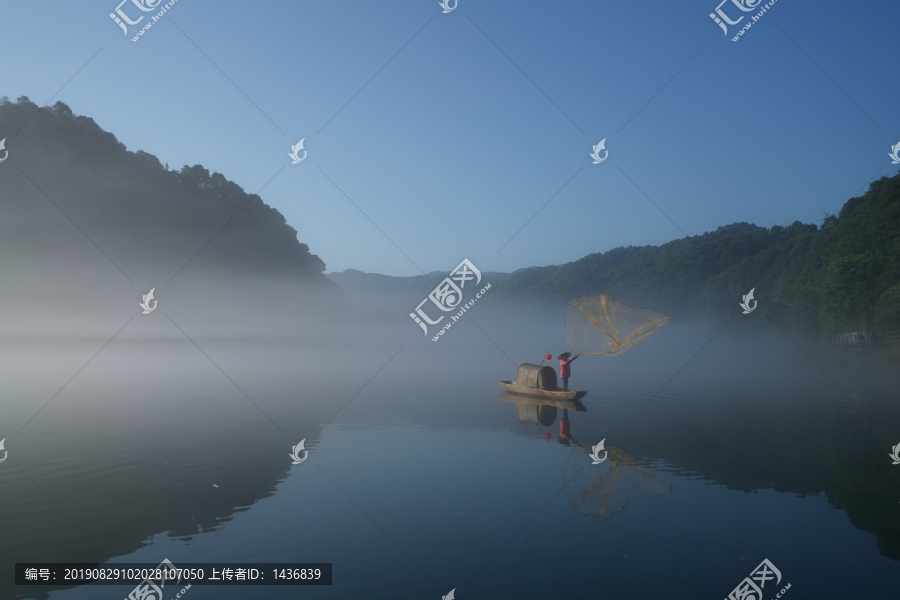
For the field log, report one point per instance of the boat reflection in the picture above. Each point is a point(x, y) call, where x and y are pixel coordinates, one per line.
point(540, 411)
point(597, 491)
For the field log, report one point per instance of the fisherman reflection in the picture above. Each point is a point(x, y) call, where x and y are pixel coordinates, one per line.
point(565, 430)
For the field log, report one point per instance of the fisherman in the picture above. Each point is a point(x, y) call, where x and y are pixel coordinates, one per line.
point(564, 370)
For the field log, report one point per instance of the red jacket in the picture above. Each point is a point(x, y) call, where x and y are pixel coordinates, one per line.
point(564, 370)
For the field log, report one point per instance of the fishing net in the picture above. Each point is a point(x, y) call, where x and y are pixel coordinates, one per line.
point(600, 325)
point(600, 491)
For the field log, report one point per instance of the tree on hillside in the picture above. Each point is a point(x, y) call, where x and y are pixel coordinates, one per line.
point(852, 291)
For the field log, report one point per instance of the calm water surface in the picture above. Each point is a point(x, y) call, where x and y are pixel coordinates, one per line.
point(422, 476)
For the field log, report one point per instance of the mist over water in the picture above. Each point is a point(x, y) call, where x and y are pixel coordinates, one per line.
point(728, 446)
point(174, 338)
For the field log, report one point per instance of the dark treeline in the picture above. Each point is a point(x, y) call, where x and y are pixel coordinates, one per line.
point(842, 277)
point(120, 198)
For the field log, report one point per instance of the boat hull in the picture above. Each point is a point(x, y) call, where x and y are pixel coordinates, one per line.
point(509, 386)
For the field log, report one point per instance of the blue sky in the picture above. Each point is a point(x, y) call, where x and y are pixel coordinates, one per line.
point(452, 131)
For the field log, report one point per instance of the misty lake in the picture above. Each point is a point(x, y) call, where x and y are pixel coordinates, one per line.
point(230, 333)
point(725, 448)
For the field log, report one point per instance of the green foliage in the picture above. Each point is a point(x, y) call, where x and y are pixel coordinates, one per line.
point(843, 277)
point(114, 192)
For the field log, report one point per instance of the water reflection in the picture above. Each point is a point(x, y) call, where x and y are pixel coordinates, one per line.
point(153, 454)
point(540, 411)
point(621, 478)
point(597, 491)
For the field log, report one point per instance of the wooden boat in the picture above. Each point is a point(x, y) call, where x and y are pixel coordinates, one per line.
point(534, 392)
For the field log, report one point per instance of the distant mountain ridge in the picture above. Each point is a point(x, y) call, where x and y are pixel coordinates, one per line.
point(355, 276)
point(387, 290)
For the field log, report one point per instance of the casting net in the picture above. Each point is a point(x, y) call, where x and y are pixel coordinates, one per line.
point(599, 325)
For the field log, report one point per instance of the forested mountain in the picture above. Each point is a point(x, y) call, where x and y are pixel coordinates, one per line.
point(844, 276)
point(145, 217)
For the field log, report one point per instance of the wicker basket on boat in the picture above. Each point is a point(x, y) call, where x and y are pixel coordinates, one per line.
point(536, 376)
